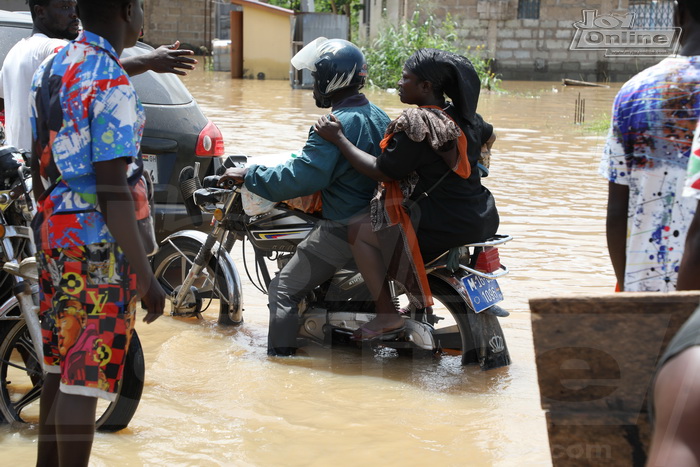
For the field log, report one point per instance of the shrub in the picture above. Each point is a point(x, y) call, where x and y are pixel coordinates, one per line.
point(388, 52)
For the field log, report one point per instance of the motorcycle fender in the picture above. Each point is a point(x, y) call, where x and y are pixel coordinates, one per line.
point(227, 267)
point(455, 281)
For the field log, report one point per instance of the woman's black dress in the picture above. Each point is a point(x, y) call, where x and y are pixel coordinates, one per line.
point(457, 210)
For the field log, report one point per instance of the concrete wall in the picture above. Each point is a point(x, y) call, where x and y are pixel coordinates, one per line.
point(522, 49)
point(169, 20)
point(165, 21)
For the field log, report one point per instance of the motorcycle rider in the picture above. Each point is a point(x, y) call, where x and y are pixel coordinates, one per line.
point(430, 148)
point(339, 70)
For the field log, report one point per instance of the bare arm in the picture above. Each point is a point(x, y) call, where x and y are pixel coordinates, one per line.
point(677, 410)
point(689, 272)
point(331, 130)
point(164, 59)
point(616, 229)
point(117, 206)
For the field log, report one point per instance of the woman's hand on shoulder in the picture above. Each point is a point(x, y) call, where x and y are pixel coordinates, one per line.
point(329, 128)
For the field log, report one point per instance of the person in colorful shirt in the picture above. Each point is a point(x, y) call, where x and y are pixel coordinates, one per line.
point(56, 22)
point(645, 162)
point(87, 124)
point(339, 69)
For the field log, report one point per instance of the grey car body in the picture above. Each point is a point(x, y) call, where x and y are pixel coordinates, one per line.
point(176, 129)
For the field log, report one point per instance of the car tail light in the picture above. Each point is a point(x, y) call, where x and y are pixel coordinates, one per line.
point(210, 143)
point(488, 260)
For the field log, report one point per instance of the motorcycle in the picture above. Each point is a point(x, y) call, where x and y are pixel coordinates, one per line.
point(194, 267)
point(21, 353)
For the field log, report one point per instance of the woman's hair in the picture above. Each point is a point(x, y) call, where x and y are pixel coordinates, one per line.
point(450, 74)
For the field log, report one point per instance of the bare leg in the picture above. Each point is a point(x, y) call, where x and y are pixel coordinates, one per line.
point(47, 454)
point(75, 428)
point(368, 257)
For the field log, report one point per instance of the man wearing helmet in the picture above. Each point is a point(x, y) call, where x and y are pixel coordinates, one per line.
point(339, 70)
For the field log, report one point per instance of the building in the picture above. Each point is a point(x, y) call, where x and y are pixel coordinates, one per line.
point(548, 39)
point(261, 44)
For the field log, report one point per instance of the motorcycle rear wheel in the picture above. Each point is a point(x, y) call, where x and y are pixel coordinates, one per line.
point(477, 338)
point(171, 266)
point(21, 380)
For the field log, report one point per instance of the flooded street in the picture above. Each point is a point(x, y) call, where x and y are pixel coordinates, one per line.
point(213, 398)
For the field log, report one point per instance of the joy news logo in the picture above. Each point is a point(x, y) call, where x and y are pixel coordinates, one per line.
point(619, 38)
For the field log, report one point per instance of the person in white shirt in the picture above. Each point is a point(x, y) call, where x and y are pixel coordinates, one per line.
point(56, 22)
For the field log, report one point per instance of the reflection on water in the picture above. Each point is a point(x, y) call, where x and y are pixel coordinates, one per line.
point(212, 397)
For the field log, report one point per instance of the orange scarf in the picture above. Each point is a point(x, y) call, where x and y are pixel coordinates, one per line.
point(398, 215)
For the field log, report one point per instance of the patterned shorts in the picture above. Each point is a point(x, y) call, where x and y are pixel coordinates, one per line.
point(87, 311)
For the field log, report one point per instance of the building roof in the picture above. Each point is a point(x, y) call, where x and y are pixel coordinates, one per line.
point(263, 6)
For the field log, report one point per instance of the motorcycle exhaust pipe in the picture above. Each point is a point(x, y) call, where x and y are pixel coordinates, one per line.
point(189, 183)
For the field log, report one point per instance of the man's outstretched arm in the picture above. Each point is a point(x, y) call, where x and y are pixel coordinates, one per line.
point(164, 59)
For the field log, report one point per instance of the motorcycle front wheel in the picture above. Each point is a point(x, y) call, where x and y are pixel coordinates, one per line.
point(171, 265)
point(21, 380)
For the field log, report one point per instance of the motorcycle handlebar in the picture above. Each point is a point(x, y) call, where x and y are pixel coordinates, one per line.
point(212, 181)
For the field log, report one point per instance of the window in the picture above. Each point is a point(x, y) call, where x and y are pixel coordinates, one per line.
point(652, 13)
point(528, 9)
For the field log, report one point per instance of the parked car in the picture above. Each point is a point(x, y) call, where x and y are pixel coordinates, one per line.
point(176, 135)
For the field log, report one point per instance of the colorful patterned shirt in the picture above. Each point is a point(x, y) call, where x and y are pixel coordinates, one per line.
point(654, 118)
point(93, 115)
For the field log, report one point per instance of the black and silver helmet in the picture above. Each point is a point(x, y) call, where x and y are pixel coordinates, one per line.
point(334, 63)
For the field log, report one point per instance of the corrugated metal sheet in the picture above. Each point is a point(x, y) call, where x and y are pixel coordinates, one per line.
point(651, 14)
point(308, 26)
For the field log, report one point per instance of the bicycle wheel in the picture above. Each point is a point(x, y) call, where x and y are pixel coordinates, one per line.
point(21, 379)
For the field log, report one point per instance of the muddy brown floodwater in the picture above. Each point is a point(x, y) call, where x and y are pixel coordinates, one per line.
point(212, 397)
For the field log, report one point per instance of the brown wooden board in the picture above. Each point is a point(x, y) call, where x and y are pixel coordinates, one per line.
point(596, 357)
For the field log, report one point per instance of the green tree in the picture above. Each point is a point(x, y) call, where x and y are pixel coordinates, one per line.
point(339, 7)
point(387, 53)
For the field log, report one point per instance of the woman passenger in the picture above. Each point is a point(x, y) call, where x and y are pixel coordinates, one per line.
point(429, 162)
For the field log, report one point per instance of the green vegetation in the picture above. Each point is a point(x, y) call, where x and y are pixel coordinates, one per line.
point(387, 53)
point(332, 6)
point(600, 124)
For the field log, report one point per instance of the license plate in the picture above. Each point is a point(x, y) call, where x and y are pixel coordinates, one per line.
point(482, 292)
point(151, 165)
